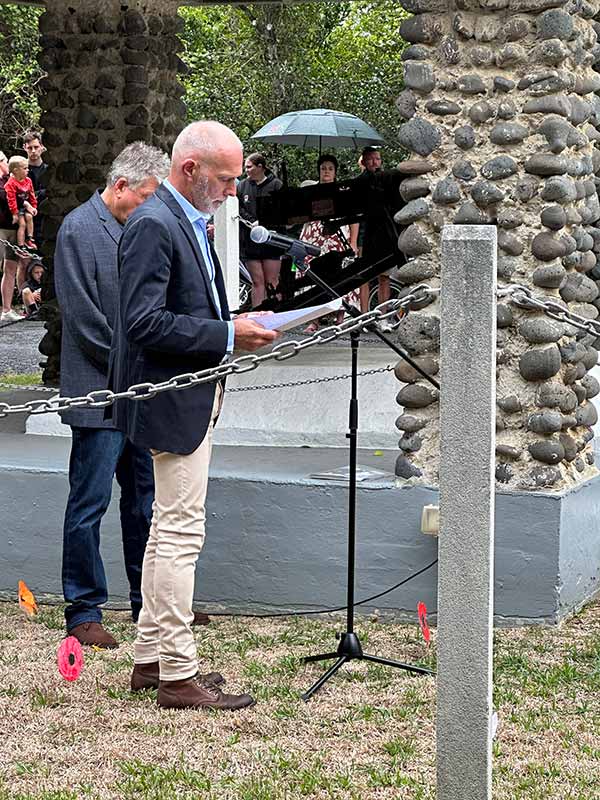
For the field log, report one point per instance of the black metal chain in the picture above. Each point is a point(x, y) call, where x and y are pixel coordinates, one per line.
point(308, 381)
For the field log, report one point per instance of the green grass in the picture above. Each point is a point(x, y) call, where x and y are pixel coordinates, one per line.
point(21, 378)
point(161, 783)
point(368, 734)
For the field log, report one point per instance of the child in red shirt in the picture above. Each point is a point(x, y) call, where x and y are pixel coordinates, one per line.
point(21, 201)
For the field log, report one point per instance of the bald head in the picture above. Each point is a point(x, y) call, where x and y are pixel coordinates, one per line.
point(202, 139)
point(207, 158)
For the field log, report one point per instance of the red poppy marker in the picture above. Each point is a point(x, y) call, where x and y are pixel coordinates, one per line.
point(422, 612)
point(70, 658)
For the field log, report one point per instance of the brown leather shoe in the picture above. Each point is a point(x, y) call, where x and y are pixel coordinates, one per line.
point(200, 619)
point(192, 693)
point(93, 633)
point(146, 676)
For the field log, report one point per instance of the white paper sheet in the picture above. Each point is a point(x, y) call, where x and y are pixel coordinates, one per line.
point(290, 319)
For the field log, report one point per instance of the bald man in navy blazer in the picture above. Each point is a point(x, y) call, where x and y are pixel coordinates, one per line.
point(174, 318)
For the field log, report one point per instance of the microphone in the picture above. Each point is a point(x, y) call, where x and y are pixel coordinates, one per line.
point(297, 247)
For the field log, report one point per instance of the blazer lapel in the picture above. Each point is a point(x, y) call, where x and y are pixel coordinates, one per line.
point(186, 226)
point(111, 226)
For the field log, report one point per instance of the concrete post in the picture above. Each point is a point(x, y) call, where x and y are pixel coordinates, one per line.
point(227, 245)
point(466, 547)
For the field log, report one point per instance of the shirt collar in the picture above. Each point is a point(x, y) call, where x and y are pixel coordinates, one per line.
point(192, 213)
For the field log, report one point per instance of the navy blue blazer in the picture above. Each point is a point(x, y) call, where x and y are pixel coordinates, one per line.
point(167, 324)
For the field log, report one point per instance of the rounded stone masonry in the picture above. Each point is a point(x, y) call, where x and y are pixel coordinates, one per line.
point(417, 396)
point(548, 451)
point(410, 424)
point(412, 188)
point(412, 211)
point(469, 214)
point(540, 330)
point(540, 363)
point(499, 167)
point(545, 422)
point(447, 192)
point(501, 129)
point(420, 136)
point(554, 217)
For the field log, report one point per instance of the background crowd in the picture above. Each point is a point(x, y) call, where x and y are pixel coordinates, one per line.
point(21, 191)
point(372, 238)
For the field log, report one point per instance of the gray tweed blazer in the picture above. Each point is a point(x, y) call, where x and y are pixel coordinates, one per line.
point(87, 286)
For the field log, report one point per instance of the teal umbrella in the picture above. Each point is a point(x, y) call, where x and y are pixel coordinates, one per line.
point(319, 127)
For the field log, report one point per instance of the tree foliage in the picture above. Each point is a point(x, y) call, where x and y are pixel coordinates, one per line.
point(250, 63)
point(20, 73)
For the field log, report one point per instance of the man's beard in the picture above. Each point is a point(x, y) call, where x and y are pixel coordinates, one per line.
point(200, 197)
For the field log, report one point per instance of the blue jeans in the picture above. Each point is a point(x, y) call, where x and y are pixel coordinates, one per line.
point(97, 455)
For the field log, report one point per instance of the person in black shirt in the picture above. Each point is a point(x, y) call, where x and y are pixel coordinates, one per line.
point(262, 260)
point(379, 236)
point(32, 144)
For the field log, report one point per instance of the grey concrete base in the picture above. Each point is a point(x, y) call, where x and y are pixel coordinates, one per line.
point(277, 538)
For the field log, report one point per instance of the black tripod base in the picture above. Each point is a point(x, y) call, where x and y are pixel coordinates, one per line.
point(350, 649)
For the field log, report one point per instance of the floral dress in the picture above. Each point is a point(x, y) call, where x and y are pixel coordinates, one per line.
point(313, 233)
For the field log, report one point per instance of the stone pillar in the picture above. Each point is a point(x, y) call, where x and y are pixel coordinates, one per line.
point(112, 71)
point(466, 547)
point(500, 112)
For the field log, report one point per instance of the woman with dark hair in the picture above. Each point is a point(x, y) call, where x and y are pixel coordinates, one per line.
point(341, 240)
point(262, 260)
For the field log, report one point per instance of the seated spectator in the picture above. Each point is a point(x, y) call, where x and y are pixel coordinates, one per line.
point(32, 289)
point(22, 201)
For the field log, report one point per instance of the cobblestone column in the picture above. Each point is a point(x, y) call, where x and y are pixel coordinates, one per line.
point(500, 112)
point(112, 79)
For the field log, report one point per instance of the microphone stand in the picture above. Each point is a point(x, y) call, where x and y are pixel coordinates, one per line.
point(349, 647)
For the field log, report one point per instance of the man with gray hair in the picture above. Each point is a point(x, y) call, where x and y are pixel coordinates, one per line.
point(87, 287)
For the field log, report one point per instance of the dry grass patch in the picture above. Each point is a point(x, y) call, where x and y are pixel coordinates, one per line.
point(369, 734)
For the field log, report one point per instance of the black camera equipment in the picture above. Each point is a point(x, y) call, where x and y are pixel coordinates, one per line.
point(371, 199)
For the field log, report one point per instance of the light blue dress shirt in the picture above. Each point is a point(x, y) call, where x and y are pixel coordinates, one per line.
point(198, 220)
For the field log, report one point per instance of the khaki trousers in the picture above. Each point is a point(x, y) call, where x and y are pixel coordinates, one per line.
point(174, 544)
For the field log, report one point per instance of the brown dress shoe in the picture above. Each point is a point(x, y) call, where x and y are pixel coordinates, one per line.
point(200, 619)
point(93, 633)
point(146, 676)
point(192, 693)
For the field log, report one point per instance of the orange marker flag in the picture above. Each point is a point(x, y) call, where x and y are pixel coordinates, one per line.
point(27, 600)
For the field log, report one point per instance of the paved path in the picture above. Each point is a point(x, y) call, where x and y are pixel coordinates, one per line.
point(19, 347)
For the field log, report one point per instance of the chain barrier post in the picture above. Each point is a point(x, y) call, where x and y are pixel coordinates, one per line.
point(466, 541)
point(227, 245)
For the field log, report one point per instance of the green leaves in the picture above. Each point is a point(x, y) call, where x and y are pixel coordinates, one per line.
point(20, 71)
point(250, 63)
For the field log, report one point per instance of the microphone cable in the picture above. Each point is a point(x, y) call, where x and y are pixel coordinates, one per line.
point(308, 612)
point(301, 613)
